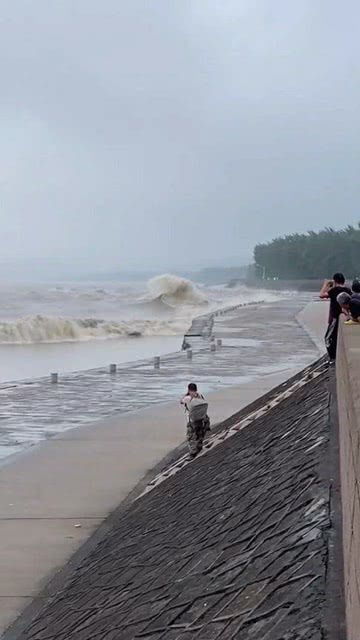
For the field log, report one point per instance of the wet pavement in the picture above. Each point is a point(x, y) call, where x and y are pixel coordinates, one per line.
point(260, 339)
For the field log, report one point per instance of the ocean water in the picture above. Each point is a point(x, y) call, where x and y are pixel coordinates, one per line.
point(257, 341)
point(71, 326)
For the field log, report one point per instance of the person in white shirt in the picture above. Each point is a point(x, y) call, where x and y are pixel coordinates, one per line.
point(196, 427)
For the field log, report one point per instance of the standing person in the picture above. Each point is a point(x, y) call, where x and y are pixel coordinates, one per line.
point(330, 290)
point(197, 419)
point(355, 287)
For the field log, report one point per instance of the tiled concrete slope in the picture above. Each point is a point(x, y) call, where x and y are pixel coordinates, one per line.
point(233, 546)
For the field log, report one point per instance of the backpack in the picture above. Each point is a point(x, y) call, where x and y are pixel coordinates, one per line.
point(197, 409)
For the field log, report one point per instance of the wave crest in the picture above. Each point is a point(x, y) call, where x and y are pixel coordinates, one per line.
point(45, 329)
point(174, 291)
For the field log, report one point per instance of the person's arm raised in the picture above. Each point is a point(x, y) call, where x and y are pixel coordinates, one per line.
point(324, 291)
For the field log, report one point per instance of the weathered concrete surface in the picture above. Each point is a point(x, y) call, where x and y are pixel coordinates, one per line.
point(79, 477)
point(314, 319)
point(348, 385)
point(233, 546)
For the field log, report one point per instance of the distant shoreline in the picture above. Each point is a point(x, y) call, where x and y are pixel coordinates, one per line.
point(310, 286)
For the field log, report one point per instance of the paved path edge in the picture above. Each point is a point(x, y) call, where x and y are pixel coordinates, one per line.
point(334, 613)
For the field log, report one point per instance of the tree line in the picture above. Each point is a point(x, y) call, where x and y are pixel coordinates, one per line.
point(310, 255)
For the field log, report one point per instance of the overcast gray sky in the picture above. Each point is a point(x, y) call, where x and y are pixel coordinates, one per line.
point(139, 133)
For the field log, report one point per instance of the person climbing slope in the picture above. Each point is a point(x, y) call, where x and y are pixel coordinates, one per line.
point(198, 422)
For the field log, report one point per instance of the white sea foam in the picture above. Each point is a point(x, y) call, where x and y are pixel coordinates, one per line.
point(175, 291)
point(42, 329)
point(41, 314)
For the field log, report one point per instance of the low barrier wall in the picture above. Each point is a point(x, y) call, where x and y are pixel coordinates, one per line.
point(348, 394)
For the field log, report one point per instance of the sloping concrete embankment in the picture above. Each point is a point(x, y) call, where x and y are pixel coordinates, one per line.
point(232, 546)
point(348, 392)
point(53, 496)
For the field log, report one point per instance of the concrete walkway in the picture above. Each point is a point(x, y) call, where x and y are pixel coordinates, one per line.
point(313, 318)
point(55, 495)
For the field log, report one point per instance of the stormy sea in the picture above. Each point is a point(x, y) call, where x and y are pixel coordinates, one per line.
point(66, 327)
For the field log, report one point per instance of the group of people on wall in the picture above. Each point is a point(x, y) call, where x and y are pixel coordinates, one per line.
point(343, 299)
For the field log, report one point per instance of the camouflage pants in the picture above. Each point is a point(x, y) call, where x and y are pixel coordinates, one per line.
point(195, 433)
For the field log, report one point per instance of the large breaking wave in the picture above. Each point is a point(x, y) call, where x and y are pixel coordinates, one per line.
point(175, 291)
point(37, 329)
point(75, 314)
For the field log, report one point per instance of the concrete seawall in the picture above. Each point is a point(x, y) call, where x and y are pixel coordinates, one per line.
point(348, 393)
point(202, 326)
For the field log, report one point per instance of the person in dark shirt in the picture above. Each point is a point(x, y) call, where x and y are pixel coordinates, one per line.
point(355, 287)
point(330, 290)
point(350, 307)
point(354, 308)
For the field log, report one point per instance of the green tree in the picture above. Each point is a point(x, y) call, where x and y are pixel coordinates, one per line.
point(310, 255)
